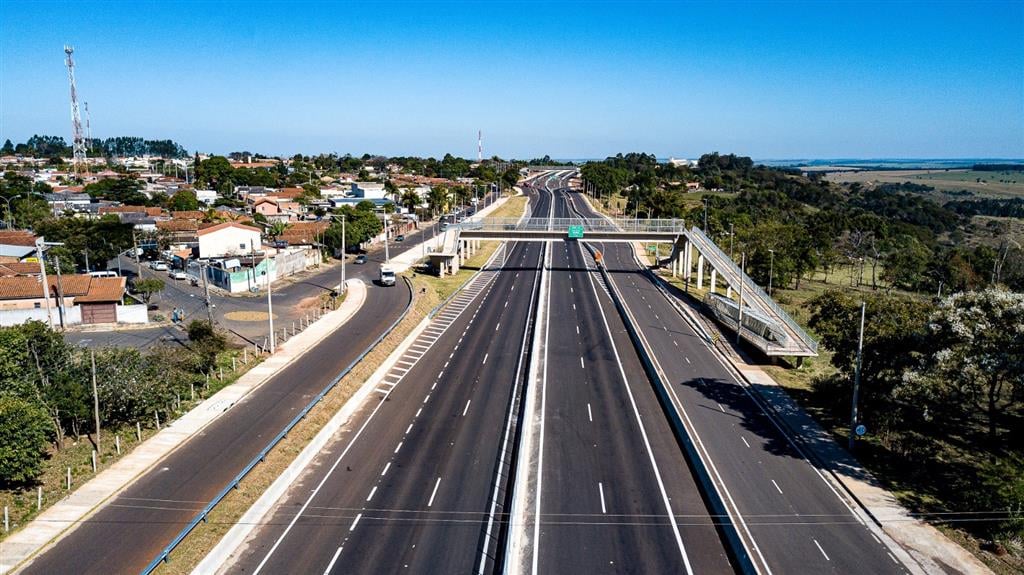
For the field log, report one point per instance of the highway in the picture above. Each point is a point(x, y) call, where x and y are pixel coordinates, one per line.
point(127, 533)
point(795, 521)
point(615, 492)
point(415, 482)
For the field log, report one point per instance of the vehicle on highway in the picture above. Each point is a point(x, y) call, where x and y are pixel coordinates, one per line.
point(387, 275)
point(360, 259)
point(400, 238)
point(158, 265)
point(178, 275)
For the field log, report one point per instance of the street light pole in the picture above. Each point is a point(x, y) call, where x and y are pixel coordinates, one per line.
point(270, 309)
point(342, 287)
point(705, 215)
point(739, 322)
point(856, 378)
point(771, 270)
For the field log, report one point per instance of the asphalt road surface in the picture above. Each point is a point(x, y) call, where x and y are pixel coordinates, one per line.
point(411, 485)
point(134, 526)
point(616, 495)
point(796, 520)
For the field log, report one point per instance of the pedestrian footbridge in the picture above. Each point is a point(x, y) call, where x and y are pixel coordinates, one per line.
point(763, 323)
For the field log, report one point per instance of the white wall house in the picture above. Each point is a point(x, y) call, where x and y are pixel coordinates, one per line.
point(228, 239)
point(207, 197)
point(369, 190)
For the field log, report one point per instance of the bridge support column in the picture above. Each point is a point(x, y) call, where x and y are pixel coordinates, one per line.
point(728, 290)
point(700, 271)
point(687, 260)
point(714, 280)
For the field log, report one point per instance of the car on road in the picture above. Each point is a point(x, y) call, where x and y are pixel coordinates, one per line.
point(360, 259)
point(178, 275)
point(158, 266)
point(400, 238)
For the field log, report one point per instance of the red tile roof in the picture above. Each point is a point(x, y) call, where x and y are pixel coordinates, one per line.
point(224, 225)
point(103, 290)
point(19, 269)
point(17, 238)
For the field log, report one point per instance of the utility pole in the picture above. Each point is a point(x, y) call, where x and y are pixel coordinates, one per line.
point(739, 322)
point(95, 399)
point(138, 262)
point(60, 291)
point(856, 378)
point(705, 215)
point(341, 288)
point(206, 288)
point(771, 270)
point(270, 311)
point(46, 283)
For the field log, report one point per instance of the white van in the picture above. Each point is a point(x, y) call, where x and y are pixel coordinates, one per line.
point(103, 274)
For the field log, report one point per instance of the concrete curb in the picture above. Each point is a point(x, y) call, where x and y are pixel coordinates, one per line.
point(64, 516)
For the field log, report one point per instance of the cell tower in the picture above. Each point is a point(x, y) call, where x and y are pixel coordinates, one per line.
point(479, 146)
point(77, 140)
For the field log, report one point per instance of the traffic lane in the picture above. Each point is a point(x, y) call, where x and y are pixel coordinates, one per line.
point(396, 433)
point(602, 505)
point(430, 511)
point(127, 533)
point(785, 502)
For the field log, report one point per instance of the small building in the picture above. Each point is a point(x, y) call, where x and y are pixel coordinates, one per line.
point(17, 245)
point(368, 190)
point(208, 197)
point(228, 239)
point(72, 299)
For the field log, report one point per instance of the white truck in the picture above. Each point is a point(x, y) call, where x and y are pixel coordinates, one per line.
point(387, 275)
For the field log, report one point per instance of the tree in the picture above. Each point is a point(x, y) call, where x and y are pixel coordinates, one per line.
point(183, 201)
point(437, 199)
point(124, 190)
point(906, 262)
point(24, 433)
point(215, 172)
point(207, 342)
point(8, 148)
point(409, 199)
point(276, 229)
point(976, 344)
point(147, 288)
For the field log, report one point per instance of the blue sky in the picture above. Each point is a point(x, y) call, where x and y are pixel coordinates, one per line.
point(573, 80)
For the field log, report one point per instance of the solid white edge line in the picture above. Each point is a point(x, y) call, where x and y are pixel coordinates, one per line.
point(543, 403)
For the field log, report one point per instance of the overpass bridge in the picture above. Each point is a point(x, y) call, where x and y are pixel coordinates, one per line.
point(762, 323)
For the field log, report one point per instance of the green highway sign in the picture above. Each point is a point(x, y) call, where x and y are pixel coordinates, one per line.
point(575, 232)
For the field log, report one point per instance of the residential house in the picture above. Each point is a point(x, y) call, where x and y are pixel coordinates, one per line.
point(71, 299)
point(207, 197)
point(179, 232)
point(228, 239)
point(67, 202)
point(17, 245)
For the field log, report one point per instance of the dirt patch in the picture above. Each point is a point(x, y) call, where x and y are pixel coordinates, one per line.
point(247, 316)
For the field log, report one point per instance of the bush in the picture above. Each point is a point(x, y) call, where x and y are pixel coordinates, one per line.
point(207, 342)
point(24, 434)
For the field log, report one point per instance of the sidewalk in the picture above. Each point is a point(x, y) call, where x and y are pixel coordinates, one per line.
point(64, 515)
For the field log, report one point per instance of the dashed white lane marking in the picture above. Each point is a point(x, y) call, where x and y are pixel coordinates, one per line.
point(590, 414)
point(425, 400)
point(577, 330)
point(497, 326)
point(356, 522)
point(720, 408)
point(465, 409)
point(675, 343)
point(600, 489)
point(372, 491)
point(825, 555)
point(333, 561)
point(581, 364)
point(485, 359)
point(777, 486)
point(417, 415)
point(386, 467)
point(744, 441)
point(399, 446)
point(687, 359)
point(434, 493)
point(408, 429)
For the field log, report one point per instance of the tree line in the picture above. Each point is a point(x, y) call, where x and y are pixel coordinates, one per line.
point(56, 147)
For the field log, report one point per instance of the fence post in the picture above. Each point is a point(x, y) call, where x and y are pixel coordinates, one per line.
point(7, 523)
point(157, 414)
point(138, 430)
point(233, 367)
point(69, 479)
point(192, 389)
point(94, 461)
point(39, 498)
point(245, 356)
point(117, 443)
point(220, 371)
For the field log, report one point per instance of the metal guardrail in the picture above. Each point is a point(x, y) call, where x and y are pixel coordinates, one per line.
point(233, 484)
point(696, 233)
point(620, 225)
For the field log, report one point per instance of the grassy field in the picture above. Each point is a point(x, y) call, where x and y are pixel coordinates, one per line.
point(982, 184)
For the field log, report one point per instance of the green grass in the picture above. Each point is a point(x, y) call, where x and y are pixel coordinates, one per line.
point(982, 184)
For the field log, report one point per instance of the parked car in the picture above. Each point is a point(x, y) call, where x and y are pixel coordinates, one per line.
point(178, 275)
point(360, 259)
point(400, 238)
point(158, 266)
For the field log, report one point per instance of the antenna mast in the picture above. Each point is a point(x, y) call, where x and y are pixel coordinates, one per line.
point(479, 146)
point(77, 140)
